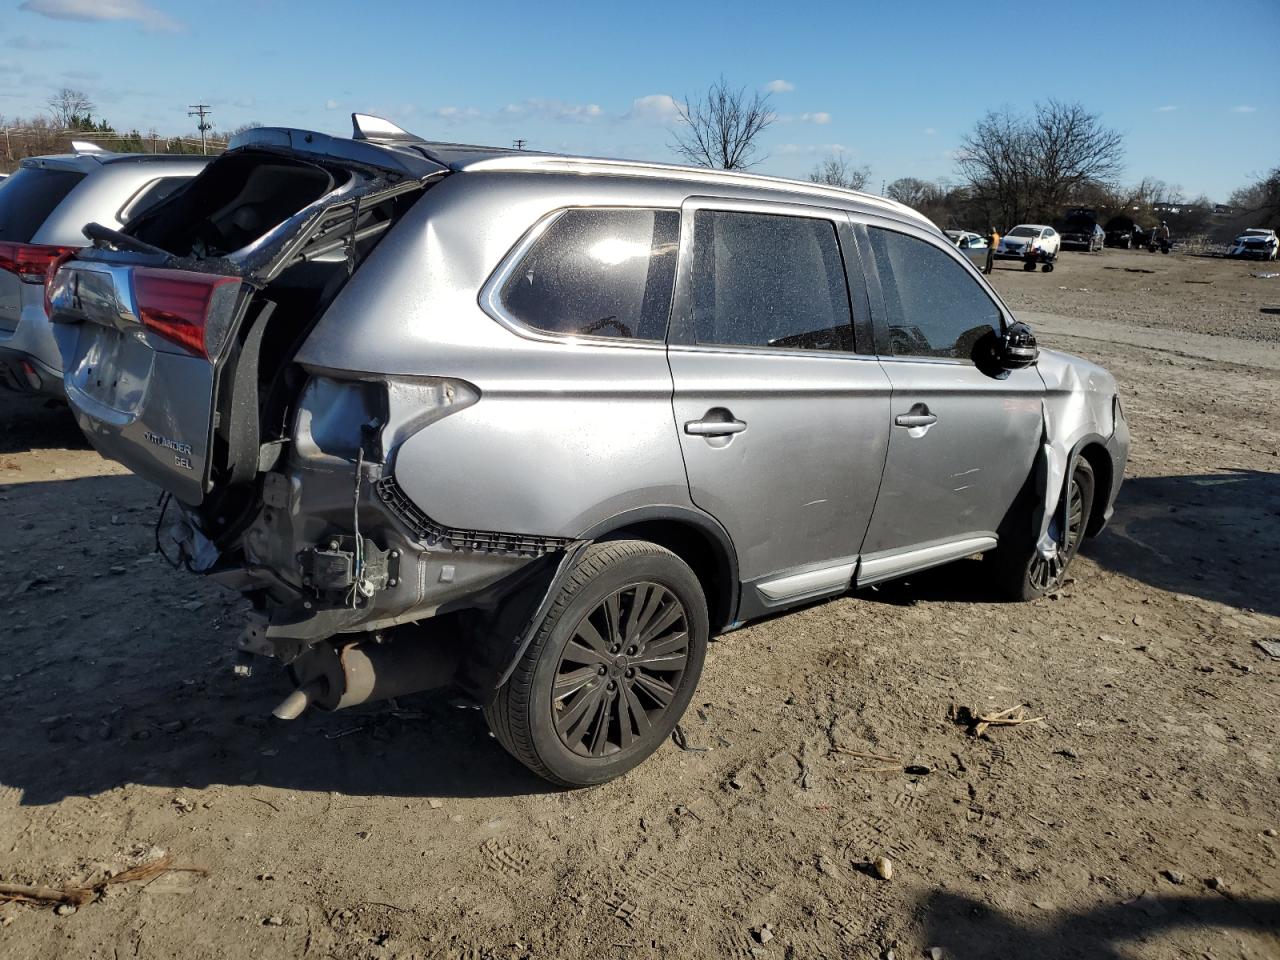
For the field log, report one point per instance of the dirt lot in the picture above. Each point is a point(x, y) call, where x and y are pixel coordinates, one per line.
point(1137, 820)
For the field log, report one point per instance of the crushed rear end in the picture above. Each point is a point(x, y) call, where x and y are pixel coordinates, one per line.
point(179, 340)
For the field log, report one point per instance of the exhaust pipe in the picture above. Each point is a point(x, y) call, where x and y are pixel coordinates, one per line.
point(337, 676)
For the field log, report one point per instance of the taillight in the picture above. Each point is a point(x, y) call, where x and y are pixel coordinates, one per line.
point(176, 305)
point(31, 261)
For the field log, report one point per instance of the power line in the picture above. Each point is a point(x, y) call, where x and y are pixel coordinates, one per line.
point(201, 110)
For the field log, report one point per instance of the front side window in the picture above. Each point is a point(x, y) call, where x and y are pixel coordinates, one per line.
point(933, 306)
point(765, 280)
point(598, 273)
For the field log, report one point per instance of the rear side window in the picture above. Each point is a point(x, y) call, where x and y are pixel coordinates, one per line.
point(934, 308)
point(599, 273)
point(764, 280)
point(28, 197)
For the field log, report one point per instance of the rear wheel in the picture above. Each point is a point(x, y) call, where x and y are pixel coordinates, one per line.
point(1021, 572)
point(611, 668)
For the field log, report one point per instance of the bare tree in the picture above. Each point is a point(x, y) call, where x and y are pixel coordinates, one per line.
point(835, 170)
point(720, 129)
point(1260, 200)
point(70, 109)
point(1031, 166)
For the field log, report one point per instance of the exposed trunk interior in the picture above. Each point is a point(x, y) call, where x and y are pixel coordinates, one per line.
point(293, 230)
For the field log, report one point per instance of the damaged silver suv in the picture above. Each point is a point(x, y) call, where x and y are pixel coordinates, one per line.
point(539, 426)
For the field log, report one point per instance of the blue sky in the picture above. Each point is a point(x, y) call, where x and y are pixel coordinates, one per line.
point(894, 86)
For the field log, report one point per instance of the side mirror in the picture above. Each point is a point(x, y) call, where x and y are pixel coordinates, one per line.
point(1017, 349)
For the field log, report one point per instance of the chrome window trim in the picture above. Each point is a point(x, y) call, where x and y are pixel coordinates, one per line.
point(490, 298)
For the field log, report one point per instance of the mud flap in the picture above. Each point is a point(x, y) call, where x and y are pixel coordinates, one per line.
point(517, 606)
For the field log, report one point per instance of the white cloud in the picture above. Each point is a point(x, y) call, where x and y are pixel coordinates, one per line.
point(1244, 109)
point(34, 43)
point(819, 117)
point(929, 131)
point(806, 149)
point(536, 107)
point(1167, 108)
point(331, 104)
point(102, 11)
point(654, 108)
point(453, 114)
point(779, 86)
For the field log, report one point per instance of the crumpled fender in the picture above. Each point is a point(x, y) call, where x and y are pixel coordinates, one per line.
point(1076, 409)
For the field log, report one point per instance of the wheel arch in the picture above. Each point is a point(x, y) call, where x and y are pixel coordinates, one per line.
point(697, 539)
point(1093, 449)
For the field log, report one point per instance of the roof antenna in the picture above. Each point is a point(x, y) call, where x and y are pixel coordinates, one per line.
point(366, 127)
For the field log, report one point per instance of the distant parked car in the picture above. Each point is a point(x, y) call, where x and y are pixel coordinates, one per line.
point(1255, 244)
point(1031, 243)
point(967, 239)
point(1125, 233)
point(1082, 235)
point(43, 209)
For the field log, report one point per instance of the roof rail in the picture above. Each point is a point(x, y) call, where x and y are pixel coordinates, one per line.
point(378, 130)
point(86, 147)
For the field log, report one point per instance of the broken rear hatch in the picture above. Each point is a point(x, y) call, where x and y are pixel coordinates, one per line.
point(161, 325)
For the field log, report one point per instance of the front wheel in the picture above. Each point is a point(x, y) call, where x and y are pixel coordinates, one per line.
point(611, 668)
point(1021, 572)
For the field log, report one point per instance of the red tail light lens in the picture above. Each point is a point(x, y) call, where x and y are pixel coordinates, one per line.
point(176, 304)
point(31, 261)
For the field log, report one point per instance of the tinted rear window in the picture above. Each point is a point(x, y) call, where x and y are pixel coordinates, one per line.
point(766, 280)
point(28, 197)
point(600, 273)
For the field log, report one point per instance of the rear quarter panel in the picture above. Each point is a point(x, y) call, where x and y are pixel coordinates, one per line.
point(567, 433)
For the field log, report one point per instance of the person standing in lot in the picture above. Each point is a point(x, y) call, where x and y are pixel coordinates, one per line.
point(993, 241)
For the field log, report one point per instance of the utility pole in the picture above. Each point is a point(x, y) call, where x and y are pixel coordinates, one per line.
point(201, 110)
point(519, 144)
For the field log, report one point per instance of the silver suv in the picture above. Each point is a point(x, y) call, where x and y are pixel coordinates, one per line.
point(43, 208)
point(539, 426)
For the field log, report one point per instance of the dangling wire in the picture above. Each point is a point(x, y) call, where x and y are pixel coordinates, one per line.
point(355, 522)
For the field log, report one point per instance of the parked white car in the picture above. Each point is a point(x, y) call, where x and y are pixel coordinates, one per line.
point(1036, 236)
point(1255, 244)
point(967, 239)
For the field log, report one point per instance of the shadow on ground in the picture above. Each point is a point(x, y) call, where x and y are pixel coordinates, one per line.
point(1214, 536)
point(37, 423)
point(970, 929)
point(117, 669)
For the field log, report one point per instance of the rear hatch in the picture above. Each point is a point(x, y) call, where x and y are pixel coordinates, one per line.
point(175, 331)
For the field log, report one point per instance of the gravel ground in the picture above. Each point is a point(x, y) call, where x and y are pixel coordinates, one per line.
point(1137, 820)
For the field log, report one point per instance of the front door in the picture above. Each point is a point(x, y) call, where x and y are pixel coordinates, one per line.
point(962, 441)
point(783, 425)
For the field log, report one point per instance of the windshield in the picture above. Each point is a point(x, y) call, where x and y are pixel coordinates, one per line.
point(1024, 232)
point(28, 197)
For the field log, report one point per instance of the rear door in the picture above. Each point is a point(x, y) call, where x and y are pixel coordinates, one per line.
point(782, 422)
point(151, 342)
point(963, 440)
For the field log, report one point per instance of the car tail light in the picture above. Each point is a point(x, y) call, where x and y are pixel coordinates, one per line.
point(31, 261)
point(176, 305)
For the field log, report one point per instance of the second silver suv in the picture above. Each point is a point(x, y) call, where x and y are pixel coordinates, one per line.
point(540, 426)
point(44, 207)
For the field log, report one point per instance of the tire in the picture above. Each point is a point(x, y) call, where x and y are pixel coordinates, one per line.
point(1047, 268)
point(533, 715)
point(1021, 573)
point(1029, 266)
